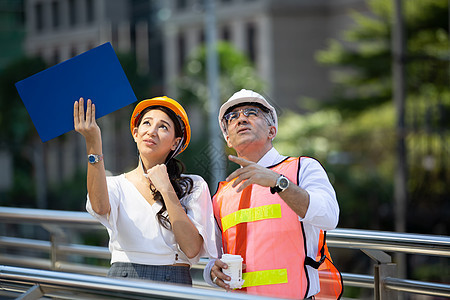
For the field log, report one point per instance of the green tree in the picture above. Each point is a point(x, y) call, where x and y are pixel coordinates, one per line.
point(361, 61)
point(17, 133)
point(354, 131)
point(236, 72)
point(355, 156)
point(361, 66)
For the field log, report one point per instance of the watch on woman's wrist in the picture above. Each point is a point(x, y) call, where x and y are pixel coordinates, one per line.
point(95, 158)
point(281, 185)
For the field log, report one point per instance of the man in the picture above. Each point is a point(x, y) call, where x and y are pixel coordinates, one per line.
point(270, 211)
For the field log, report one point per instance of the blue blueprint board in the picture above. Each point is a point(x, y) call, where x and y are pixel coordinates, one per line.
point(49, 95)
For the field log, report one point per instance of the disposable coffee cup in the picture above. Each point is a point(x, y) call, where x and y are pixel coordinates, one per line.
point(234, 270)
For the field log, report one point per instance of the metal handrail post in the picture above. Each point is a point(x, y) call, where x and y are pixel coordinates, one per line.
point(53, 251)
point(383, 269)
point(57, 237)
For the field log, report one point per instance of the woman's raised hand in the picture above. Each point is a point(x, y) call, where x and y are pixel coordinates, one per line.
point(85, 123)
point(96, 178)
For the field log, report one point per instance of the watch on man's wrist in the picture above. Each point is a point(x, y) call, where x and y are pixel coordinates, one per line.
point(95, 158)
point(281, 185)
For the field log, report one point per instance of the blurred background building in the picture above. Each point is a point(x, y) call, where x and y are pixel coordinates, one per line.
point(161, 35)
point(288, 45)
point(271, 33)
point(325, 64)
point(58, 30)
point(12, 31)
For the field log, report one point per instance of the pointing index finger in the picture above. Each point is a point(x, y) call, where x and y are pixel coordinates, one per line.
point(240, 161)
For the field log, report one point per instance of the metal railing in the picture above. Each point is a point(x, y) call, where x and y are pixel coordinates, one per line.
point(372, 243)
point(390, 241)
point(61, 285)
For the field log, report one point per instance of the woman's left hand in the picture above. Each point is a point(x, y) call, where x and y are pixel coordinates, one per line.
point(159, 177)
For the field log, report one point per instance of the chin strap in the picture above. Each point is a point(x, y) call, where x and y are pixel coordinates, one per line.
point(152, 187)
point(176, 151)
point(143, 168)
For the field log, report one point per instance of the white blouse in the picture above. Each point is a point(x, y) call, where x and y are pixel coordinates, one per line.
point(135, 234)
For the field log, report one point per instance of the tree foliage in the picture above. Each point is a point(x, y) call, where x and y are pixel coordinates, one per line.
point(235, 72)
point(17, 133)
point(357, 156)
point(361, 61)
point(355, 129)
point(15, 123)
point(354, 132)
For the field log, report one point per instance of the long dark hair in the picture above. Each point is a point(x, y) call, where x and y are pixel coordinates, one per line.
point(181, 184)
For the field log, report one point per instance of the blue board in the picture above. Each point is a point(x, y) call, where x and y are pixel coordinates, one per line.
point(49, 95)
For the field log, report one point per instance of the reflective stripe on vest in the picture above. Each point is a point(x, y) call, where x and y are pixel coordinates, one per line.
point(266, 277)
point(264, 212)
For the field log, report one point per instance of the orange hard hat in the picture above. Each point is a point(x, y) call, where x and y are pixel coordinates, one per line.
point(170, 104)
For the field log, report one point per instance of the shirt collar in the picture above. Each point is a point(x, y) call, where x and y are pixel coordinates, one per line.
point(272, 157)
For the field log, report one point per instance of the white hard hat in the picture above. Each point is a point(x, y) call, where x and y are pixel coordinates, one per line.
point(246, 96)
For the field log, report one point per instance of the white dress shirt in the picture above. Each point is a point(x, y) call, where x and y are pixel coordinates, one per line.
point(322, 213)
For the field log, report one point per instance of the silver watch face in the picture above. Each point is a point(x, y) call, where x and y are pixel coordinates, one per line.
point(283, 183)
point(92, 159)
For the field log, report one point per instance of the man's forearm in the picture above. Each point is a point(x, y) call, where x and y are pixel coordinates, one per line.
point(296, 198)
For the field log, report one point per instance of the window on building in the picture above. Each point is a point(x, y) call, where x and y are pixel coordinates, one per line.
point(72, 13)
point(201, 36)
point(39, 10)
point(181, 43)
point(226, 35)
point(73, 51)
point(55, 14)
point(251, 41)
point(38, 53)
point(180, 4)
point(91, 45)
point(55, 57)
point(90, 11)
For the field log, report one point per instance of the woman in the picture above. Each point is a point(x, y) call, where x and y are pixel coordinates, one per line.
point(159, 221)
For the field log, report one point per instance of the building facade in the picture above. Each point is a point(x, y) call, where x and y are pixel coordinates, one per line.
point(60, 29)
point(281, 37)
point(57, 30)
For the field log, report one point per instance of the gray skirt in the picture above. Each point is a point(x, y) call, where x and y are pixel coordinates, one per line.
point(167, 274)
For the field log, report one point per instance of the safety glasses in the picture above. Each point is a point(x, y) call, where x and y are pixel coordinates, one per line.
point(249, 112)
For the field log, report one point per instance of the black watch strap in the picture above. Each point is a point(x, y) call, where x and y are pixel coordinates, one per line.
point(275, 189)
point(281, 184)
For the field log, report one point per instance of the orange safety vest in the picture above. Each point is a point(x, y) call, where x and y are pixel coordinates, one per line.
point(330, 279)
point(263, 229)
